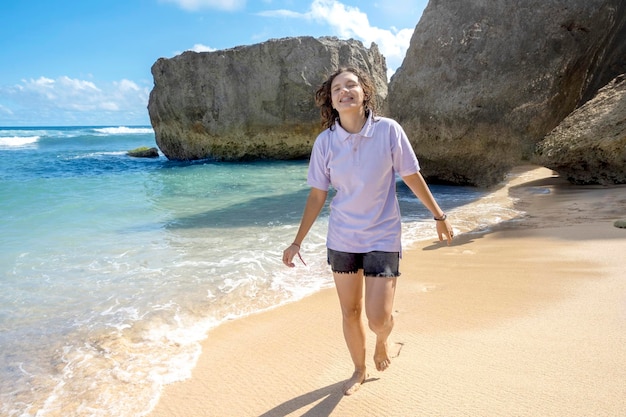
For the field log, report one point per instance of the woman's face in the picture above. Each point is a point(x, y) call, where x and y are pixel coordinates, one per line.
point(346, 92)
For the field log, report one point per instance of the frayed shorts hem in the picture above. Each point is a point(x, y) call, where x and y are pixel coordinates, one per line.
point(374, 264)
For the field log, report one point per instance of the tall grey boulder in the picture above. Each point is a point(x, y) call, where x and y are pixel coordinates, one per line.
point(484, 81)
point(250, 102)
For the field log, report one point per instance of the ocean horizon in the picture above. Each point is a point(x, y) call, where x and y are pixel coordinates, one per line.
point(114, 269)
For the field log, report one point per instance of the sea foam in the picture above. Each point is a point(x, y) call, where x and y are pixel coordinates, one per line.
point(17, 141)
point(123, 130)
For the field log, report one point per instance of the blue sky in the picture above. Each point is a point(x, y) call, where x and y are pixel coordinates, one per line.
point(87, 62)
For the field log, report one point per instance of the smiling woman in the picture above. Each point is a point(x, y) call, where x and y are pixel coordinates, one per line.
point(359, 155)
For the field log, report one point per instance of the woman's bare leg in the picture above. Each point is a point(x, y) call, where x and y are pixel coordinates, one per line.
point(379, 295)
point(350, 291)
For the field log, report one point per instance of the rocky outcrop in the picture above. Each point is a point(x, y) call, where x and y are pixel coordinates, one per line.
point(483, 82)
point(250, 102)
point(144, 152)
point(589, 146)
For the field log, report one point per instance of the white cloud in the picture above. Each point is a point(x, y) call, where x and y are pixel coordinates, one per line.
point(69, 84)
point(197, 48)
point(283, 13)
point(127, 85)
point(350, 22)
point(5, 110)
point(43, 82)
point(202, 48)
point(193, 5)
point(67, 97)
point(110, 106)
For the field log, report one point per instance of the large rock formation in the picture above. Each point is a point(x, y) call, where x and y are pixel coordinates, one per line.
point(484, 81)
point(589, 146)
point(250, 102)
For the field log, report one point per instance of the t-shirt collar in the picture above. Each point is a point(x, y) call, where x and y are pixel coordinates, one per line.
point(367, 131)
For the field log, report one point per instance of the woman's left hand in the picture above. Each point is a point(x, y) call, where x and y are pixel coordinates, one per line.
point(444, 228)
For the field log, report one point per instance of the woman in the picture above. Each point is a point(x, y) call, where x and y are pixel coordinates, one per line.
point(359, 154)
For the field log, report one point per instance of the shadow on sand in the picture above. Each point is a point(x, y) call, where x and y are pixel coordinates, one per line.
point(329, 395)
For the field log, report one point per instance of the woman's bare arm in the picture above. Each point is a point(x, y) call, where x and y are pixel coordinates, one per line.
point(314, 204)
point(418, 185)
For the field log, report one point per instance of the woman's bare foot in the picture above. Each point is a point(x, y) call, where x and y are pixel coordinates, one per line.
point(353, 384)
point(381, 356)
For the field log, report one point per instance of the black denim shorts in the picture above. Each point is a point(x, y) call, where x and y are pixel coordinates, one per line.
point(373, 264)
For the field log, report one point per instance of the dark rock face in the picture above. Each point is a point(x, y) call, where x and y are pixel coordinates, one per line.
point(250, 102)
point(589, 146)
point(483, 82)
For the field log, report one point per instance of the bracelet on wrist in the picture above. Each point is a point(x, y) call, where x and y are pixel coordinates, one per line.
point(295, 244)
point(443, 217)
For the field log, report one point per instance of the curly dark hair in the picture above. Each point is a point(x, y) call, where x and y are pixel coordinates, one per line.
point(323, 97)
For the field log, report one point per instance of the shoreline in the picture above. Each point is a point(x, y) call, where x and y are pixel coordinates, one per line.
point(525, 319)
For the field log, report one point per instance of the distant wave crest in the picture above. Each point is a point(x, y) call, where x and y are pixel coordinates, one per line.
point(123, 130)
point(17, 141)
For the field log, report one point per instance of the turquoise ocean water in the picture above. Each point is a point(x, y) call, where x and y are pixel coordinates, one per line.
point(113, 269)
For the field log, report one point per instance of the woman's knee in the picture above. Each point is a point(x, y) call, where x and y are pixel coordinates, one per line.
point(379, 322)
point(351, 313)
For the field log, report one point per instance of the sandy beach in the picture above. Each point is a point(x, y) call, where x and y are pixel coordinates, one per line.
point(527, 319)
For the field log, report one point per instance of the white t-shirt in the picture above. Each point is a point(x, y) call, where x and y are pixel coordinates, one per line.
point(362, 168)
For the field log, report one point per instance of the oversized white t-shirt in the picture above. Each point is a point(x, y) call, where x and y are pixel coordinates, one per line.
point(362, 168)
